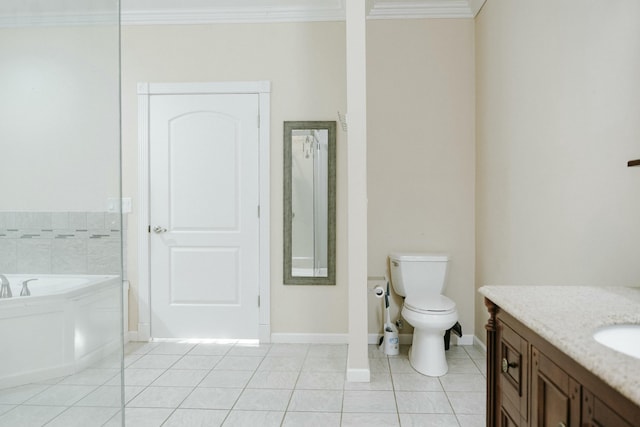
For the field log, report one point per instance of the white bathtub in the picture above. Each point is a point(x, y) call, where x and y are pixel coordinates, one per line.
point(67, 324)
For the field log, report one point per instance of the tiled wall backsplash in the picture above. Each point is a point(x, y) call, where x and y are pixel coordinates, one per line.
point(60, 242)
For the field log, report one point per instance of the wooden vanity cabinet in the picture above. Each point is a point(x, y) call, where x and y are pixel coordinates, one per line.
point(555, 396)
point(532, 383)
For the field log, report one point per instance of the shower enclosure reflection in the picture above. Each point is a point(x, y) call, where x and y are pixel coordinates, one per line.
point(61, 345)
point(309, 202)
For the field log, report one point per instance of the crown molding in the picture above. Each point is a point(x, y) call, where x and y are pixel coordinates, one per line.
point(316, 10)
point(185, 12)
point(237, 16)
point(475, 6)
point(58, 19)
point(422, 9)
point(257, 11)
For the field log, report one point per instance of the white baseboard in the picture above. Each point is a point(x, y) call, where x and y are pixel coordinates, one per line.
point(464, 340)
point(133, 336)
point(405, 339)
point(144, 331)
point(264, 334)
point(289, 338)
point(477, 342)
point(358, 375)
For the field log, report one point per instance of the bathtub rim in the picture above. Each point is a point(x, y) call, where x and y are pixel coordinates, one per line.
point(95, 282)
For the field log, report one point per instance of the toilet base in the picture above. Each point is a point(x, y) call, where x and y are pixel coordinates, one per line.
point(427, 355)
point(427, 351)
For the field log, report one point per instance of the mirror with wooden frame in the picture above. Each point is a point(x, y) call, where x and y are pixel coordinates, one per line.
point(309, 203)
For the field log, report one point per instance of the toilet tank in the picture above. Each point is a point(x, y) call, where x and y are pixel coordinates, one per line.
point(417, 274)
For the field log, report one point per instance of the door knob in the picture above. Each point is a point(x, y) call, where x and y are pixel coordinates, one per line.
point(506, 365)
point(158, 229)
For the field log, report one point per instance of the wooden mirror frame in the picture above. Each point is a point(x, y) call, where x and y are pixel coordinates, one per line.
point(288, 277)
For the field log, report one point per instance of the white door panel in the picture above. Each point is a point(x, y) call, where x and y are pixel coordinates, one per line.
point(199, 265)
point(196, 157)
point(204, 191)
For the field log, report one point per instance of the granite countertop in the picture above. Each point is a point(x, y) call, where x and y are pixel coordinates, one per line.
point(566, 316)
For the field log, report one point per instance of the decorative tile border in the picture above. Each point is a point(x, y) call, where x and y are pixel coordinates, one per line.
point(61, 242)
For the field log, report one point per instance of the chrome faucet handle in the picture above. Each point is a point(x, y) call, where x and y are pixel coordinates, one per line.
point(25, 292)
point(5, 290)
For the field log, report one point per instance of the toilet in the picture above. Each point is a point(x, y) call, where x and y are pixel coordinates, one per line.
point(420, 278)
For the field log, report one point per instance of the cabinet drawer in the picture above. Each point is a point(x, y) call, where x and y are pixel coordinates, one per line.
point(513, 362)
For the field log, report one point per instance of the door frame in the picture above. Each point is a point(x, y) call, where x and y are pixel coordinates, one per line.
point(145, 91)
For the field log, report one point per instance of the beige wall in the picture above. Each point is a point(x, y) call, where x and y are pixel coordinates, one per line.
point(420, 132)
point(305, 63)
point(420, 151)
point(558, 117)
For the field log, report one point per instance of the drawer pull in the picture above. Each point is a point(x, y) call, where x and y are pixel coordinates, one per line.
point(561, 424)
point(506, 365)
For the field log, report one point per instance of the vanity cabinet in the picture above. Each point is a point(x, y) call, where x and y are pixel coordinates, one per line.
point(555, 396)
point(532, 383)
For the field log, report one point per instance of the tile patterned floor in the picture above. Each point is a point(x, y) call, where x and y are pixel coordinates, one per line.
point(236, 384)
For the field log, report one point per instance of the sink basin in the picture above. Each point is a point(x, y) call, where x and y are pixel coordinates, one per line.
point(624, 338)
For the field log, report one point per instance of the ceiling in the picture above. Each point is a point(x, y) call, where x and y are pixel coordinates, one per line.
point(146, 12)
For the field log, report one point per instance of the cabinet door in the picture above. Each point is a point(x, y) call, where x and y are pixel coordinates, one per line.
point(595, 413)
point(512, 377)
point(555, 396)
point(509, 416)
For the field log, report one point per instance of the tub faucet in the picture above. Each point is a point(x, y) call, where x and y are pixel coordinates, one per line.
point(25, 292)
point(5, 291)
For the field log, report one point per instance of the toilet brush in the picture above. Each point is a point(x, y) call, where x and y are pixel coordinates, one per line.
point(390, 343)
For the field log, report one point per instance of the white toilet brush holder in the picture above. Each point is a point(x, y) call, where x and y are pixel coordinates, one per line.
point(391, 343)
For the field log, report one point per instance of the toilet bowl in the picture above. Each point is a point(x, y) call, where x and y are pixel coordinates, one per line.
point(430, 318)
point(420, 278)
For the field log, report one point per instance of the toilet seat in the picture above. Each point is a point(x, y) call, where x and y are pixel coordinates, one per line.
point(432, 304)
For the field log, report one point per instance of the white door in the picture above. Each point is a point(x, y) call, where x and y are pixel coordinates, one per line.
point(203, 210)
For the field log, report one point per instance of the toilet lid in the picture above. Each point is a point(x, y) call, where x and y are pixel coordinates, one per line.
point(433, 304)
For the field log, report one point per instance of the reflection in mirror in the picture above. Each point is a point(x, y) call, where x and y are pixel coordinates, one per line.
point(309, 219)
point(309, 196)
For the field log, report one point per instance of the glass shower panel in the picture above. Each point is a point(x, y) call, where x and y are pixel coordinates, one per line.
point(61, 305)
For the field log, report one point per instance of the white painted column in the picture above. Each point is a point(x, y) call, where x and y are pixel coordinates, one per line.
point(358, 360)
